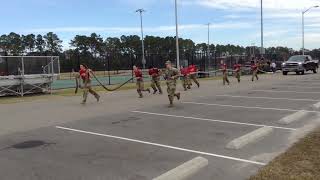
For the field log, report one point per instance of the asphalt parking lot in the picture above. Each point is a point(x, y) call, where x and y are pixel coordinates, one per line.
point(126, 138)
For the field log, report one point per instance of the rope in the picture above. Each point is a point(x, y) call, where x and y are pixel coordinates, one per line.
point(108, 89)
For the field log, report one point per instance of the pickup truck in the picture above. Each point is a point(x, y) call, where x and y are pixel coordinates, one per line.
point(300, 64)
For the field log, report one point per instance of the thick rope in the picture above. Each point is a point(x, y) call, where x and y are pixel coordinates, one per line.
point(108, 89)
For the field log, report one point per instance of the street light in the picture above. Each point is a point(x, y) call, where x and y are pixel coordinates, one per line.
point(142, 38)
point(303, 12)
point(177, 35)
point(208, 43)
point(262, 50)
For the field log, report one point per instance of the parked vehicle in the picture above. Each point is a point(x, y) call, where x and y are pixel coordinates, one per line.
point(300, 64)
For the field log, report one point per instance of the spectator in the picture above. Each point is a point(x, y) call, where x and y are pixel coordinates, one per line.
point(273, 67)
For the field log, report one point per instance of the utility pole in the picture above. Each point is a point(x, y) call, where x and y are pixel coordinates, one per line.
point(177, 35)
point(142, 38)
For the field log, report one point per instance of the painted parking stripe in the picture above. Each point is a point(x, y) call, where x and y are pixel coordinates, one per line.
point(255, 97)
point(213, 120)
point(298, 87)
point(298, 92)
point(161, 145)
point(247, 107)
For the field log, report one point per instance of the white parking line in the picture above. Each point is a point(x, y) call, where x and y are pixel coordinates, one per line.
point(253, 97)
point(299, 87)
point(213, 120)
point(161, 145)
point(298, 92)
point(247, 107)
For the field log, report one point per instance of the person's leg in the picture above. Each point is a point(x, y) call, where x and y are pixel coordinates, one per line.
point(238, 76)
point(224, 78)
point(256, 74)
point(138, 84)
point(170, 94)
point(158, 84)
point(95, 94)
point(194, 78)
point(227, 80)
point(184, 82)
point(153, 85)
point(85, 95)
point(253, 75)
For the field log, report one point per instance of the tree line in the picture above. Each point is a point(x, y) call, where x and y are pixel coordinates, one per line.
point(96, 47)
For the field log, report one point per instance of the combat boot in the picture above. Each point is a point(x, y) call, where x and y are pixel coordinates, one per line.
point(155, 91)
point(178, 96)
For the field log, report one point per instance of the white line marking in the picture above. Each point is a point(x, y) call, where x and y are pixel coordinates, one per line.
point(246, 107)
point(300, 87)
point(251, 137)
point(254, 97)
point(298, 92)
point(213, 120)
point(186, 170)
point(161, 145)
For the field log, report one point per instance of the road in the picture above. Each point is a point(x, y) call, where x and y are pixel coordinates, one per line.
point(238, 128)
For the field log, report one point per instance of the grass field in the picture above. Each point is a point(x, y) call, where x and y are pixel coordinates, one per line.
point(300, 162)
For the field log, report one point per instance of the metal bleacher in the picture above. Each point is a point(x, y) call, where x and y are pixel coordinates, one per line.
point(21, 75)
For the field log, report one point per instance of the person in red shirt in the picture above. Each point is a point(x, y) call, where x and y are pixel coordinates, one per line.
point(185, 77)
point(224, 69)
point(84, 74)
point(139, 81)
point(155, 79)
point(237, 71)
point(193, 74)
point(254, 69)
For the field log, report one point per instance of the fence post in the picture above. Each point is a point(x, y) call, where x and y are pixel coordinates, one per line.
point(108, 56)
point(131, 57)
point(22, 77)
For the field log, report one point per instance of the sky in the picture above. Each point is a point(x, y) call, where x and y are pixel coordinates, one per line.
point(232, 21)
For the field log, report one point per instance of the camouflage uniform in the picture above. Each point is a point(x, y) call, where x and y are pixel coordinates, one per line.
point(171, 76)
point(155, 83)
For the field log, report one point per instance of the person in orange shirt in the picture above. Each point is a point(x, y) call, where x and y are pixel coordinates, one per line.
point(185, 77)
point(84, 74)
point(254, 69)
point(155, 79)
point(237, 71)
point(193, 74)
point(139, 83)
point(224, 70)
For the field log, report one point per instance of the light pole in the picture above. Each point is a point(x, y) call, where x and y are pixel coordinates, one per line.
point(142, 38)
point(303, 12)
point(177, 35)
point(262, 50)
point(208, 44)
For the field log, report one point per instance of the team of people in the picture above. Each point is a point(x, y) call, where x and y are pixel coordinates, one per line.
point(171, 75)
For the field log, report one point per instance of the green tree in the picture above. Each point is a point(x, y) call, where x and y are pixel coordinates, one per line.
point(53, 43)
point(29, 42)
point(40, 44)
point(15, 44)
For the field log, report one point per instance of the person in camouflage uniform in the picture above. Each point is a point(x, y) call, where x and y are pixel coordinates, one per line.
point(171, 75)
